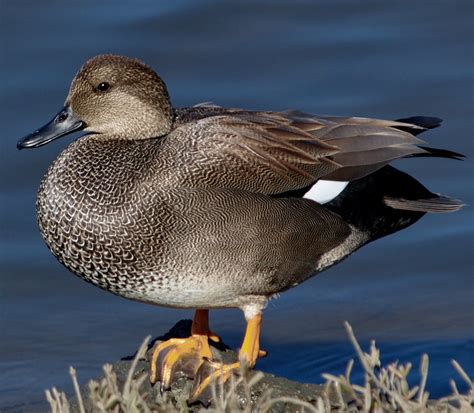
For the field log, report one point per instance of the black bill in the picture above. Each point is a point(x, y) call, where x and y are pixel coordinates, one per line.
point(63, 123)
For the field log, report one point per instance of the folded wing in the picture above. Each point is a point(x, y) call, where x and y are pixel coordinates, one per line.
point(276, 152)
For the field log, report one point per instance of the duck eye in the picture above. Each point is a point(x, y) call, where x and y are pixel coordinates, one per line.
point(103, 86)
point(62, 117)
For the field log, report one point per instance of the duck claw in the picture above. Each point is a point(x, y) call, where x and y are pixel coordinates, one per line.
point(176, 358)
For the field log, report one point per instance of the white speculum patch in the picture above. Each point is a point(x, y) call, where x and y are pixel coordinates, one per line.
point(325, 191)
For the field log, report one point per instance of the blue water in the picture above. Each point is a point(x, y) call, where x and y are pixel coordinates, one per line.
point(412, 292)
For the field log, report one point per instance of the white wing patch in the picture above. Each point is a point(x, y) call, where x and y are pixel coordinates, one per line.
point(325, 191)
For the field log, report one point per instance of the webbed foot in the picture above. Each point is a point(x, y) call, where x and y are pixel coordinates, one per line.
point(178, 357)
point(211, 373)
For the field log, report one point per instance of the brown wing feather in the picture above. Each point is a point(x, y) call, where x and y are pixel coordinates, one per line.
point(274, 152)
point(268, 141)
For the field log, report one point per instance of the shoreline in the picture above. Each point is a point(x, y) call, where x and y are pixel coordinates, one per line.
point(125, 385)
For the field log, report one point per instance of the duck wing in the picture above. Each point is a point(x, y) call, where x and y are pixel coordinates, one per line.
point(275, 152)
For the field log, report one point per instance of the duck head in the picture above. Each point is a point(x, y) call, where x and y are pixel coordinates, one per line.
point(116, 96)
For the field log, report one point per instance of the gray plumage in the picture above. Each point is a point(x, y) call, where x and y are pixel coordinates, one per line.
point(116, 216)
point(178, 207)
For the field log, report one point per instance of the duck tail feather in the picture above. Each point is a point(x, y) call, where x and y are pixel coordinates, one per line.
point(439, 153)
point(437, 204)
point(426, 122)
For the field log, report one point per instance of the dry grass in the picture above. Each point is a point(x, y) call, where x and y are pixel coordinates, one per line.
point(386, 389)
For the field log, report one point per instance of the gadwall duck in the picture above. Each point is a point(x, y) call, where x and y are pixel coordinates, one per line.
point(207, 207)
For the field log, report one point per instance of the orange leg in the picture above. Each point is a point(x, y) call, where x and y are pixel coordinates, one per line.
point(200, 325)
point(250, 350)
point(178, 356)
point(216, 372)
